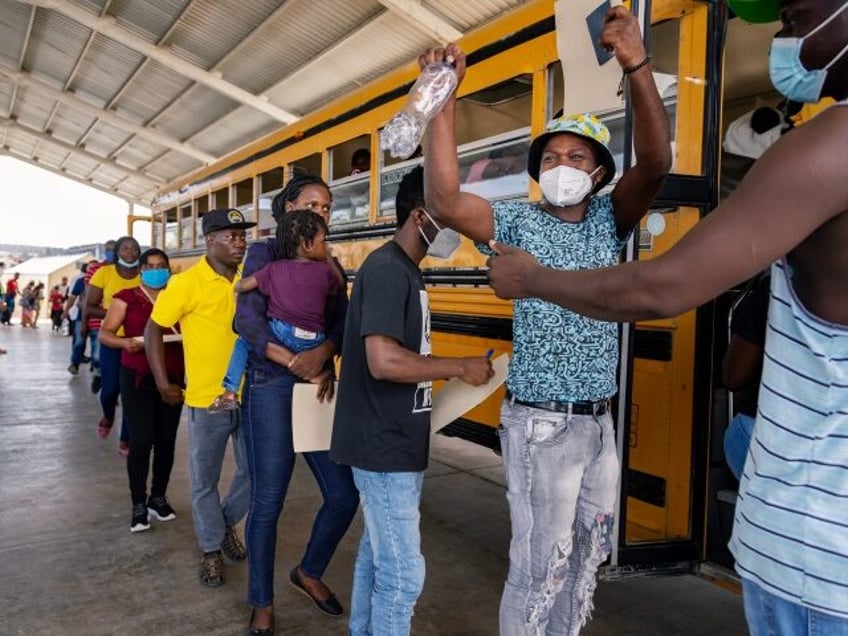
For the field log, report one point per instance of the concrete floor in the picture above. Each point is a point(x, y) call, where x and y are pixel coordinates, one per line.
point(69, 565)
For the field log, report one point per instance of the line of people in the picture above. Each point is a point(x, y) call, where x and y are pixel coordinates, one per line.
point(558, 260)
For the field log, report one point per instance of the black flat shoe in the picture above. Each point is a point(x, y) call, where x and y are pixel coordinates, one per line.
point(256, 631)
point(330, 606)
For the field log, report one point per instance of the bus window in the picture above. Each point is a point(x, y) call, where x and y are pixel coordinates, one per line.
point(267, 225)
point(157, 231)
point(242, 193)
point(220, 199)
point(171, 226)
point(390, 179)
point(351, 157)
point(351, 200)
point(496, 110)
point(306, 165)
point(201, 207)
point(186, 221)
point(270, 183)
point(497, 169)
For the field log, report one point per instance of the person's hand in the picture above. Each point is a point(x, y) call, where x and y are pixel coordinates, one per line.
point(451, 54)
point(308, 364)
point(131, 345)
point(172, 394)
point(83, 329)
point(476, 371)
point(510, 270)
point(326, 386)
point(622, 35)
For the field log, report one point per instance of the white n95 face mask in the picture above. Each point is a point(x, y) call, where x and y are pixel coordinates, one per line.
point(564, 185)
point(445, 243)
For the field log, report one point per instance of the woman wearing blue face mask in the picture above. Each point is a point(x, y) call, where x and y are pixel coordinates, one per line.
point(106, 282)
point(152, 424)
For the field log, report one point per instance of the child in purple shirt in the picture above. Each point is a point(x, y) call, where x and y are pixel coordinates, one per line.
point(297, 287)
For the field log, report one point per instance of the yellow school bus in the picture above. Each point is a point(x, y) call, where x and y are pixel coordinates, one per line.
point(670, 413)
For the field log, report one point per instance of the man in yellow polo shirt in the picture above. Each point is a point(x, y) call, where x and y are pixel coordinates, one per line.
point(202, 301)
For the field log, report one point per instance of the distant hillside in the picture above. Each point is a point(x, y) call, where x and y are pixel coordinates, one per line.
point(32, 250)
point(11, 253)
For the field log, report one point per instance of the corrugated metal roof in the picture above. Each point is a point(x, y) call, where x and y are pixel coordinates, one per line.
point(81, 74)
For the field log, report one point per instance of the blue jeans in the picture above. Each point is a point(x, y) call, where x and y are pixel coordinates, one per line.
point(78, 345)
point(389, 572)
point(266, 408)
point(110, 389)
point(770, 615)
point(737, 438)
point(562, 480)
point(286, 334)
point(207, 439)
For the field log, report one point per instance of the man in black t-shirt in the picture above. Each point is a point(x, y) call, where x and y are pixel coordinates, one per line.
point(382, 421)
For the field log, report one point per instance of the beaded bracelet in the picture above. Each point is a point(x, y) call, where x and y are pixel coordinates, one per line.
point(627, 70)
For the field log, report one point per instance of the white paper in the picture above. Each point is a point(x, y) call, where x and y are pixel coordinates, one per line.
point(589, 87)
point(456, 397)
point(312, 421)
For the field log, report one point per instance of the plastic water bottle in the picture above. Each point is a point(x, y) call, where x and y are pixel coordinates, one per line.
point(426, 98)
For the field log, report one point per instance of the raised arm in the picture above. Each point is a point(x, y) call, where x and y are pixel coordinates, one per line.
point(794, 188)
point(464, 212)
point(633, 194)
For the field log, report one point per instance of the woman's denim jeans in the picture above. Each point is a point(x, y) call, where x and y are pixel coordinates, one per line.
point(267, 421)
point(770, 615)
point(389, 573)
point(562, 482)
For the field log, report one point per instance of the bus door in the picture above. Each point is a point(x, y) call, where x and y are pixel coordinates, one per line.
point(664, 405)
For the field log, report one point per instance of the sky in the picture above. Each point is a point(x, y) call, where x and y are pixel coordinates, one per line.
point(42, 208)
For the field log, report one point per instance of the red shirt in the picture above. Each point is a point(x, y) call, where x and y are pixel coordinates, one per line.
point(139, 307)
point(12, 287)
point(57, 299)
point(93, 323)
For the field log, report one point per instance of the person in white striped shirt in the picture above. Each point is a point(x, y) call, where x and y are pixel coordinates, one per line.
point(790, 537)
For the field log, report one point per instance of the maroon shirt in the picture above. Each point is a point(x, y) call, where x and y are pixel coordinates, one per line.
point(298, 291)
point(138, 312)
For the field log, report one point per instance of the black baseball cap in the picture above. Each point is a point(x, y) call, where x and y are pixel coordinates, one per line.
point(224, 219)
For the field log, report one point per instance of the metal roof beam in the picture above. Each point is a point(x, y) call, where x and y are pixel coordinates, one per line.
point(21, 59)
point(5, 150)
point(423, 18)
point(111, 117)
point(13, 124)
point(108, 25)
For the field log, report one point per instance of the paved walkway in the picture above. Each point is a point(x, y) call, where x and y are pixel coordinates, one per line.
point(71, 567)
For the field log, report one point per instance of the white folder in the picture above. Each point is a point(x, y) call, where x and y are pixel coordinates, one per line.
point(312, 421)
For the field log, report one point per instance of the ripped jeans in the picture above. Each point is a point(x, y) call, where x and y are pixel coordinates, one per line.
point(562, 481)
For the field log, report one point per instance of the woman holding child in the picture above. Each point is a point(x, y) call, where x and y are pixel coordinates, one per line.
point(272, 371)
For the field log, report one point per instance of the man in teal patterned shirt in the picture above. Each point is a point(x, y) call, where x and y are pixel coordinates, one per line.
point(556, 431)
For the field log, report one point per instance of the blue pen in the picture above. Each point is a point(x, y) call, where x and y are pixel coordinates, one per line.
point(489, 353)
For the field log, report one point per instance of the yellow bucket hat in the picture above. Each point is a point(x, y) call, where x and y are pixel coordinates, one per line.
point(586, 126)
